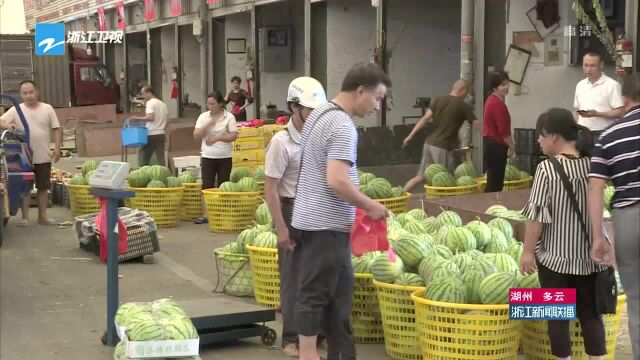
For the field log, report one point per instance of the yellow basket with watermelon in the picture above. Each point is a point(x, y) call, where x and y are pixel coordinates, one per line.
point(230, 212)
point(82, 203)
point(162, 204)
point(191, 206)
point(442, 184)
point(366, 319)
point(266, 275)
point(509, 185)
point(433, 192)
point(399, 320)
point(535, 337)
point(453, 331)
point(396, 205)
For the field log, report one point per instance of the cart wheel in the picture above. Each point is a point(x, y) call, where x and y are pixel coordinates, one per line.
point(269, 337)
point(103, 338)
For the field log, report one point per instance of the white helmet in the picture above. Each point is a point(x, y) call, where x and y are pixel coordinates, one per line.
point(307, 92)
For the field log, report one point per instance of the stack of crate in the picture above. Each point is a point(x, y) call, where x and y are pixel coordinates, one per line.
point(528, 152)
point(249, 148)
point(271, 130)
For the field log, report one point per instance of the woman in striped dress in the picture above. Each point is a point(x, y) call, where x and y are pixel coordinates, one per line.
point(555, 243)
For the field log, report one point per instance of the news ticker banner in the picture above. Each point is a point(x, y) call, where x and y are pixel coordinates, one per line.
point(542, 304)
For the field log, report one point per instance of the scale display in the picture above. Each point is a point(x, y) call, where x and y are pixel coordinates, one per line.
point(110, 175)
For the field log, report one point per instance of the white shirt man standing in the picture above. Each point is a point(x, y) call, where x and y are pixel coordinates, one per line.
point(41, 119)
point(156, 122)
point(598, 98)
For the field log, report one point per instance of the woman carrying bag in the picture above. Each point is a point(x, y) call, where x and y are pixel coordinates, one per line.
point(557, 238)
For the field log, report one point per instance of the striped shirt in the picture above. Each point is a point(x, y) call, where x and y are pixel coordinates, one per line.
point(616, 157)
point(283, 160)
point(562, 246)
point(330, 137)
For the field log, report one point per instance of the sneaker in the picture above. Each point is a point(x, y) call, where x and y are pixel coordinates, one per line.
point(23, 223)
point(47, 221)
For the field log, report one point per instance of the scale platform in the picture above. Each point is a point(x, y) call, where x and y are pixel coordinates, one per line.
point(220, 320)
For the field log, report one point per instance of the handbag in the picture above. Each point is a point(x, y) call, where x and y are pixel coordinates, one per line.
point(606, 290)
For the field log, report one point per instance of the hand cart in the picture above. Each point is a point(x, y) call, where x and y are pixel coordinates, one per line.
point(16, 168)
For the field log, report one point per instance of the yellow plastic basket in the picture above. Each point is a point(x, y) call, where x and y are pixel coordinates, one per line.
point(191, 206)
point(451, 331)
point(397, 205)
point(535, 337)
point(82, 203)
point(234, 272)
point(162, 204)
point(443, 192)
point(266, 276)
point(230, 212)
point(483, 183)
point(399, 320)
point(366, 320)
point(518, 184)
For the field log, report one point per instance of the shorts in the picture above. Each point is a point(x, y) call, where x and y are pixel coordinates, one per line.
point(43, 175)
point(435, 155)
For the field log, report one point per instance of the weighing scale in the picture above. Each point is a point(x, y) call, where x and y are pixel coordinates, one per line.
point(216, 320)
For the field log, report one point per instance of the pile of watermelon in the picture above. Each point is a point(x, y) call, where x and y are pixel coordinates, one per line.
point(512, 173)
point(263, 236)
point(88, 168)
point(475, 264)
point(242, 181)
point(502, 212)
point(157, 176)
point(377, 187)
point(437, 175)
point(162, 319)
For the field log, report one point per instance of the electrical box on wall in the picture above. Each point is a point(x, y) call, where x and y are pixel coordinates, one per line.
point(276, 49)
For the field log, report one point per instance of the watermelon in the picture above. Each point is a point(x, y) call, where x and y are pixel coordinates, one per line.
point(486, 264)
point(464, 261)
point(378, 188)
point(385, 270)
point(449, 218)
point(431, 225)
point(465, 169)
point(450, 290)
point(511, 173)
point(246, 237)
point(515, 249)
point(156, 184)
point(87, 177)
point(466, 181)
point(397, 191)
point(364, 178)
point(362, 265)
point(417, 214)
point(426, 238)
point(173, 181)
point(138, 178)
point(443, 233)
point(495, 209)
point(474, 253)
point(266, 239)
point(494, 289)
point(432, 170)
point(159, 172)
point(503, 225)
point(247, 184)
point(263, 216)
point(403, 218)
point(530, 281)
point(411, 249)
point(443, 269)
point(443, 251)
point(497, 244)
point(429, 263)
point(238, 173)
point(78, 180)
point(460, 239)
point(228, 186)
point(443, 179)
point(472, 281)
point(609, 191)
point(414, 227)
point(88, 166)
point(409, 279)
point(481, 232)
point(505, 263)
point(187, 177)
point(258, 173)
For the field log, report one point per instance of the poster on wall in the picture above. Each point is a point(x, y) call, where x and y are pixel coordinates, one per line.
point(553, 50)
point(539, 25)
point(516, 63)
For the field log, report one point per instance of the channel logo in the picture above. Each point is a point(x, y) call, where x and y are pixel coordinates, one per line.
point(50, 39)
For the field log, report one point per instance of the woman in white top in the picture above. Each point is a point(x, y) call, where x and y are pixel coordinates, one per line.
point(216, 129)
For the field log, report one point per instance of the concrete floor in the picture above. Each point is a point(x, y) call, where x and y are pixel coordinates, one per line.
point(53, 294)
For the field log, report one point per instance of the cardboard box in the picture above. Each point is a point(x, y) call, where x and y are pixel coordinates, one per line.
point(158, 348)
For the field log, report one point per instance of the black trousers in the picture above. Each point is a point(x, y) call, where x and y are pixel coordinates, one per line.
point(215, 169)
point(325, 290)
point(288, 267)
point(495, 155)
point(155, 144)
point(590, 321)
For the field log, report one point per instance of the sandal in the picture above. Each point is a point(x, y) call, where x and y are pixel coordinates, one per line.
point(200, 220)
point(23, 223)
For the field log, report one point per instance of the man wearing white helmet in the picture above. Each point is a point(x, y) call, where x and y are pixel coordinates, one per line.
point(282, 166)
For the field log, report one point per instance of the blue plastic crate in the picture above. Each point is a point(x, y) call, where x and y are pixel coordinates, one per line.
point(133, 136)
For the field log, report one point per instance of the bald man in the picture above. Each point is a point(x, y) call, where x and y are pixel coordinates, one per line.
point(447, 113)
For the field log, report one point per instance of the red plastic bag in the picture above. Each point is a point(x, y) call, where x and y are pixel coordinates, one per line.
point(368, 235)
point(101, 226)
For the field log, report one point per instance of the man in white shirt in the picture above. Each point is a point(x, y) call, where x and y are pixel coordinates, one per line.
point(42, 120)
point(598, 98)
point(282, 170)
point(156, 122)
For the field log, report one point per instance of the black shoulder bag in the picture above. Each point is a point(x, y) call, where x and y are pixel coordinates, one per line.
point(606, 291)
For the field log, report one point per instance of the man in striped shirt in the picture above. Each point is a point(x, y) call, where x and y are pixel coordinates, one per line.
point(324, 211)
point(617, 158)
